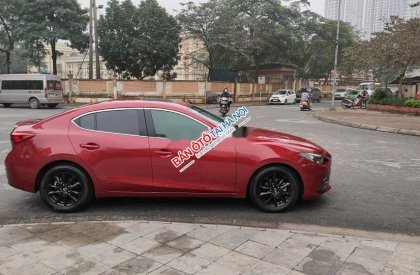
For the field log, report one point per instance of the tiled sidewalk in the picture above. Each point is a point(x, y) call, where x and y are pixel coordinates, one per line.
point(176, 248)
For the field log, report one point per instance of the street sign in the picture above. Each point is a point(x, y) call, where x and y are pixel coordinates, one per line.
point(261, 80)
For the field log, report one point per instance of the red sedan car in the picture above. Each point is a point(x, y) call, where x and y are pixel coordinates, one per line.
point(124, 148)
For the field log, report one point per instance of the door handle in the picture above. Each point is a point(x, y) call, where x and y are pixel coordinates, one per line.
point(90, 146)
point(165, 153)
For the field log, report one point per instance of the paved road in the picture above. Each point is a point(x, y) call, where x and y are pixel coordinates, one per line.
point(375, 182)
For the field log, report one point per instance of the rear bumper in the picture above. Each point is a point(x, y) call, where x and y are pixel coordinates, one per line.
point(19, 174)
point(51, 100)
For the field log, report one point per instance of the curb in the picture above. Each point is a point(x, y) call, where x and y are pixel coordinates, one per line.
point(291, 227)
point(400, 131)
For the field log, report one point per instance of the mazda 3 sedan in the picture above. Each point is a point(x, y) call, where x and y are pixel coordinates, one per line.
point(125, 149)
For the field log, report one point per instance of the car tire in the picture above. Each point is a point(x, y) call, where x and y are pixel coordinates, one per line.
point(319, 99)
point(294, 101)
point(52, 106)
point(274, 189)
point(285, 102)
point(7, 105)
point(33, 103)
point(66, 188)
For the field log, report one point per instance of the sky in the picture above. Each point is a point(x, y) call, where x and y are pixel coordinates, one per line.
point(172, 6)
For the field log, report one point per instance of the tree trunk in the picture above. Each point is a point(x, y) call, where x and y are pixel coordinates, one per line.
point(8, 62)
point(257, 67)
point(54, 56)
point(209, 76)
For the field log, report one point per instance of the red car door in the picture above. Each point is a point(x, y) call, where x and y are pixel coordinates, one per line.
point(215, 172)
point(114, 145)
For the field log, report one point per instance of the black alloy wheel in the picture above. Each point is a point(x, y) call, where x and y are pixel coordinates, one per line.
point(66, 188)
point(275, 189)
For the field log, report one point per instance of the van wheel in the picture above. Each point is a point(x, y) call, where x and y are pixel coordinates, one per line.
point(52, 106)
point(7, 105)
point(34, 103)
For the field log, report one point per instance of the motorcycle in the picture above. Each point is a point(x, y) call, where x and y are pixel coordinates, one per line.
point(304, 105)
point(359, 102)
point(224, 105)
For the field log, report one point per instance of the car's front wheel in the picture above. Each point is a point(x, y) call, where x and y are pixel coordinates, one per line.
point(66, 188)
point(274, 189)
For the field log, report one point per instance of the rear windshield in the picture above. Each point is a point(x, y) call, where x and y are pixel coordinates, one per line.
point(54, 85)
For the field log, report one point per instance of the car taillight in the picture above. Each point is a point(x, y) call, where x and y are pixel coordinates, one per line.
point(46, 92)
point(16, 138)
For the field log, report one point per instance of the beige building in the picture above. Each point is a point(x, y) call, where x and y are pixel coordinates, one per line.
point(76, 63)
point(189, 67)
point(72, 61)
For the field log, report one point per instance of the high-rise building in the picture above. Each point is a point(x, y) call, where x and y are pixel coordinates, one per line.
point(379, 12)
point(370, 16)
point(351, 11)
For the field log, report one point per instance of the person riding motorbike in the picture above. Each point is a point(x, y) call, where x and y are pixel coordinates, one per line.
point(225, 93)
point(304, 96)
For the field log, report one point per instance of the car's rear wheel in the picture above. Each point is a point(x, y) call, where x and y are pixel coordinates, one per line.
point(66, 188)
point(274, 189)
point(34, 103)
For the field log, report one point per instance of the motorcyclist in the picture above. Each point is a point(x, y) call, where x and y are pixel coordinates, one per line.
point(304, 96)
point(225, 93)
point(364, 96)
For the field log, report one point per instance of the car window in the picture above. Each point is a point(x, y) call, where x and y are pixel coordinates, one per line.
point(118, 121)
point(87, 122)
point(175, 126)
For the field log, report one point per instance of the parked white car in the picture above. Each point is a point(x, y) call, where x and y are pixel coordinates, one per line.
point(283, 96)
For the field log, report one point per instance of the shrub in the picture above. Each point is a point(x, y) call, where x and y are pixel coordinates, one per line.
point(381, 93)
point(412, 103)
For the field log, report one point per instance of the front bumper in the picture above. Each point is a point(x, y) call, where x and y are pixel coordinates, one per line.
point(316, 180)
point(277, 100)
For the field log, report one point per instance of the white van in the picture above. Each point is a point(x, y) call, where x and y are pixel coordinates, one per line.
point(32, 89)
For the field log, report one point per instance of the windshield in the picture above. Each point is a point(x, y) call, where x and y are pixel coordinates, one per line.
point(280, 92)
point(207, 114)
point(340, 90)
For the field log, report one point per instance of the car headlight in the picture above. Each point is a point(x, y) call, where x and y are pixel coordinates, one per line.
point(313, 157)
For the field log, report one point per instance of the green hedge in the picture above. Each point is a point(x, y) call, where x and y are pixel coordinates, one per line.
point(412, 103)
point(385, 97)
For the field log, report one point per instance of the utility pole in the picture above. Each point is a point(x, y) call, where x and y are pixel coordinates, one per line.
point(95, 25)
point(90, 41)
point(336, 57)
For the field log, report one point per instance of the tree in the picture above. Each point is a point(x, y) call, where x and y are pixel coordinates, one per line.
point(265, 28)
point(9, 19)
point(211, 24)
point(48, 21)
point(35, 52)
point(138, 42)
point(390, 53)
point(313, 45)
